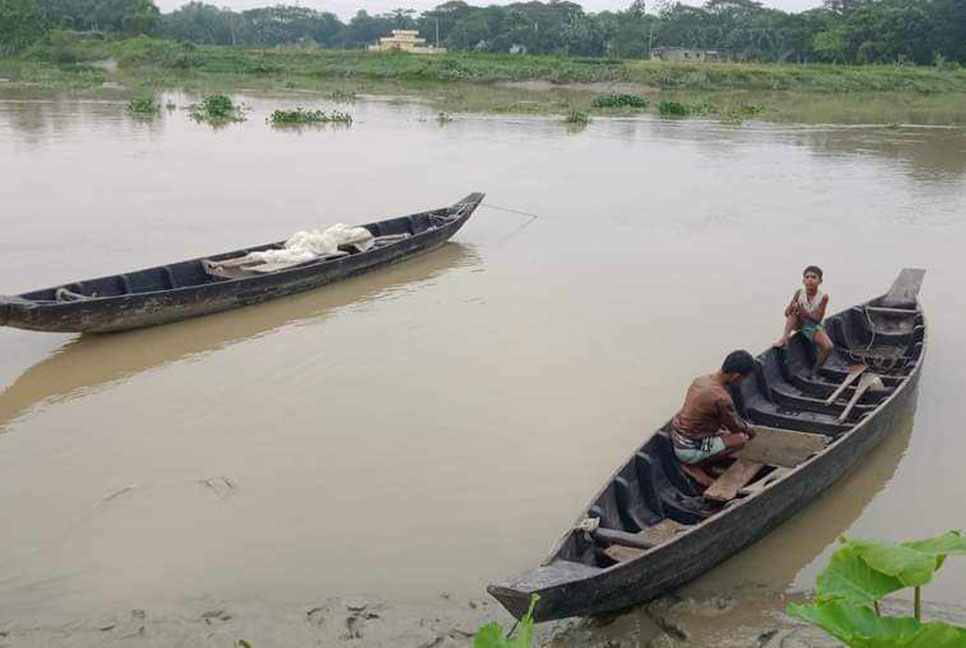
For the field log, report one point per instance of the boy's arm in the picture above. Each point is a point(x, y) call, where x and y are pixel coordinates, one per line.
point(728, 417)
point(792, 309)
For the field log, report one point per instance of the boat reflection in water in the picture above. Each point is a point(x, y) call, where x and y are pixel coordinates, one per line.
point(88, 363)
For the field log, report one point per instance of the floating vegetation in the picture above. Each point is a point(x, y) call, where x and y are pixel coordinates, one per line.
point(217, 109)
point(342, 96)
point(143, 108)
point(578, 118)
point(686, 108)
point(737, 113)
point(619, 100)
point(303, 116)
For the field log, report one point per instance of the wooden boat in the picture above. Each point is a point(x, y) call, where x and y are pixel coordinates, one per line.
point(651, 528)
point(208, 285)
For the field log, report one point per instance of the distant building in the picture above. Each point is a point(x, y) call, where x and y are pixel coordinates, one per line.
point(684, 54)
point(406, 40)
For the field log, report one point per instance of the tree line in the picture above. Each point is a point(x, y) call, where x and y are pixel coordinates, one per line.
point(845, 31)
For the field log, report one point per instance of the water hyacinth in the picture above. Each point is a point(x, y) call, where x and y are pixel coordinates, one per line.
point(303, 116)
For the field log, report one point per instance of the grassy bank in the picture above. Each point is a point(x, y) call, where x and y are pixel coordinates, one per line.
point(455, 83)
point(168, 63)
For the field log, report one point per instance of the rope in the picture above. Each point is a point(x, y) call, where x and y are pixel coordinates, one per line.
point(508, 209)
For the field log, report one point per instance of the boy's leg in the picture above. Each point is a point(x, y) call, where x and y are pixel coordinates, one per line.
point(825, 348)
point(791, 325)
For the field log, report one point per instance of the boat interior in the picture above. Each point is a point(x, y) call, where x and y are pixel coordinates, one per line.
point(797, 413)
point(199, 272)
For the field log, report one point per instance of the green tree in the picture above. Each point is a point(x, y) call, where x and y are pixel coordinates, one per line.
point(21, 24)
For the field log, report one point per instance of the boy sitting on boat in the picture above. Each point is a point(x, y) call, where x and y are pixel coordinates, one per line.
point(708, 427)
point(805, 314)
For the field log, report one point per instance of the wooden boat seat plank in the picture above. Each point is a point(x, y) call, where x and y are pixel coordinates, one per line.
point(623, 554)
point(739, 474)
point(778, 447)
point(764, 482)
point(662, 531)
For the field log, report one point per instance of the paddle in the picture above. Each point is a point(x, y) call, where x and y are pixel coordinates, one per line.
point(867, 382)
point(854, 372)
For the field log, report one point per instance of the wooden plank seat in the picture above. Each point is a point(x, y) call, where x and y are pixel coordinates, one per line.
point(643, 540)
point(784, 448)
point(739, 474)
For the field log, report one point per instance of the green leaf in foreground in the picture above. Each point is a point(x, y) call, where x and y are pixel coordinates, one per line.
point(913, 568)
point(861, 627)
point(491, 635)
point(849, 577)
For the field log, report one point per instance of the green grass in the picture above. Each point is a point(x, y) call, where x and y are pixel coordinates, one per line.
point(177, 60)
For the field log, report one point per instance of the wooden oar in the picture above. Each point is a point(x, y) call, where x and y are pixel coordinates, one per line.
point(868, 381)
point(854, 372)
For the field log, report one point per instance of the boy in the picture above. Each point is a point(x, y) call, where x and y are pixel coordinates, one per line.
point(708, 428)
point(805, 314)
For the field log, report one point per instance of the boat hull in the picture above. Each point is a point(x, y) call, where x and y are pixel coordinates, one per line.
point(721, 537)
point(649, 495)
point(138, 310)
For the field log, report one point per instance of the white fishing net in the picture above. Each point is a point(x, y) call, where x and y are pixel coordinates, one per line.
point(308, 245)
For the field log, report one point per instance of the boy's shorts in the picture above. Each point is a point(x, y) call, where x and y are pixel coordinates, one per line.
point(709, 447)
point(809, 328)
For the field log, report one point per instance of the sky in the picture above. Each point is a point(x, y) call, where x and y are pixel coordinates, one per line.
point(345, 9)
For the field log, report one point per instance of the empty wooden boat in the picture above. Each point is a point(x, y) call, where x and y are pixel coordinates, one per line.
point(224, 281)
point(652, 528)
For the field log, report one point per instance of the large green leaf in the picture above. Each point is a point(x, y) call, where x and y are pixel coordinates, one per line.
point(913, 568)
point(849, 577)
point(951, 542)
point(860, 627)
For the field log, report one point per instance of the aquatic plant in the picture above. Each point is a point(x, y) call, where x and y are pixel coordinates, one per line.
point(618, 100)
point(217, 108)
point(669, 108)
point(302, 116)
point(737, 113)
point(577, 117)
point(863, 572)
point(143, 107)
point(491, 635)
point(342, 96)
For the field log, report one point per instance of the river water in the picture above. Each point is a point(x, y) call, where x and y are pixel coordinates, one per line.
point(411, 433)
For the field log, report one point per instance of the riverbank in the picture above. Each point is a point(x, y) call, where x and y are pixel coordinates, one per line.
point(456, 83)
point(731, 620)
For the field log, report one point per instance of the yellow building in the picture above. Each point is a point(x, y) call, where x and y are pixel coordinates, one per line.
point(406, 40)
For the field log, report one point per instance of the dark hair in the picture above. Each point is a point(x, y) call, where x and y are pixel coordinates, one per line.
point(739, 362)
point(814, 269)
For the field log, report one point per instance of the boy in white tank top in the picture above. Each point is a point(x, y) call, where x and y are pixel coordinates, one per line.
point(805, 313)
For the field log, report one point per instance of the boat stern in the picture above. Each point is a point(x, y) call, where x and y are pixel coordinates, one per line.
point(553, 584)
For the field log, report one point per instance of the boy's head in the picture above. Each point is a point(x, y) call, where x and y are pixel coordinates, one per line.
point(737, 365)
point(812, 277)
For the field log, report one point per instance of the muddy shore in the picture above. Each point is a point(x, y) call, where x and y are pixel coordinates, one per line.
point(754, 620)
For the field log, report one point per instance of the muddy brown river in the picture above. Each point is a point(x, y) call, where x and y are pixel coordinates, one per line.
point(406, 435)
